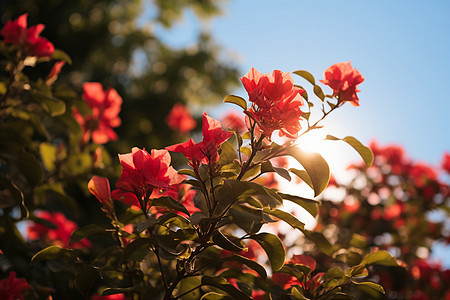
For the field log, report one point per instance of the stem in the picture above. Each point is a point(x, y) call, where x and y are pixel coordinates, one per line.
point(156, 251)
point(255, 149)
point(314, 126)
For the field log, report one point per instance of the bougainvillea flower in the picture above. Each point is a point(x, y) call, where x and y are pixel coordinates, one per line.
point(180, 119)
point(275, 102)
point(99, 187)
point(184, 194)
point(446, 162)
point(16, 32)
point(343, 79)
point(206, 151)
point(105, 107)
point(144, 175)
point(59, 236)
point(54, 72)
point(11, 288)
point(109, 297)
point(233, 121)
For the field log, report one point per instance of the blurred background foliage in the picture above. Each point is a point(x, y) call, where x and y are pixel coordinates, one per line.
point(114, 42)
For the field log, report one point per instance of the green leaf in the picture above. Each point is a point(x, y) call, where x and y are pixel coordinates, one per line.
point(132, 247)
point(112, 291)
point(331, 104)
point(222, 284)
point(86, 231)
point(357, 271)
point(371, 285)
point(310, 205)
point(15, 196)
point(240, 190)
point(236, 100)
point(188, 284)
point(303, 176)
point(215, 296)
point(306, 75)
point(297, 295)
point(170, 203)
point(249, 263)
point(267, 167)
point(321, 242)
point(48, 155)
point(53, 252)
point(316, 167)
point(246, 151)
point(319, 93)
point(188, 172)
point(304, 94)
point(61, 55)
point(29, 166)
point(365, 152)
point(222, 241)
point(286, 217)
point(273, 247)
point(85, 279)
point(382, 257)
point(249, 219)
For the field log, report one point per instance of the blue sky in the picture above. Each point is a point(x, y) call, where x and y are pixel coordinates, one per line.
point(400, 47)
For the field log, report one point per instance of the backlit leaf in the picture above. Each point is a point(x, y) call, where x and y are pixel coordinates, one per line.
point(236, 100)
point(170, 203)
point(273, 247)
point(310, 205)
point(382, 257)
point(306, 75)
point(53, 252)
point(61, 55)
point(316, 167)
point(319, 93)
point(286, 217)
point(85, 232)
point(371, 285)
point(302, 175)
point(365, 152)
point(249, 263)
point(222, 284)
point(321, 242)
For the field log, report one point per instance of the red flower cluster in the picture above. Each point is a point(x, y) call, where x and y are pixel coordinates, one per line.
point(206, 151)
point(343, 79)
point(16, 32)
point(144, 176)
point(275, 102)
point(105, 107)
point(11, 288)
point(59, 236)
point(180, 119)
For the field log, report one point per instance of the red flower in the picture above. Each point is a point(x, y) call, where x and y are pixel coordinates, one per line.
point(343, 79)
point(11, 288)
point(109, 297)
point(233, 121)
point(180, 119)
point(59, 236)
point(144, 175)
point(206, 151)
point(105, 107)
point(16, 32)
point(446, 162)
point(54, 72)
point(99, 187)
point(275, 102)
